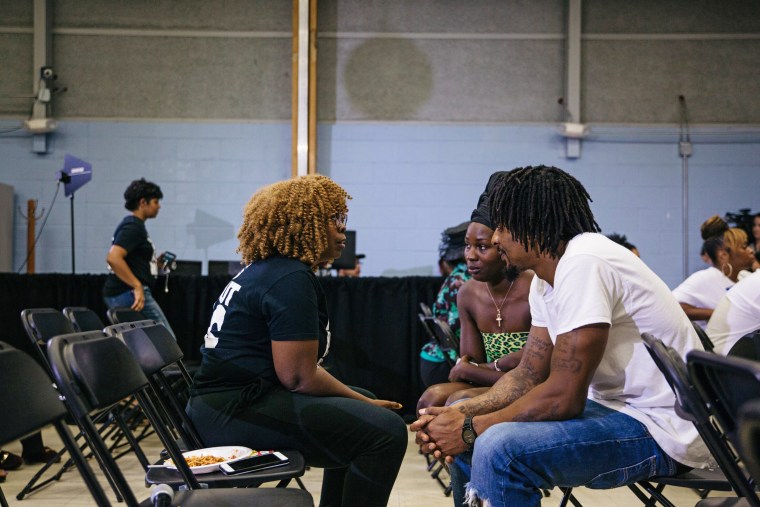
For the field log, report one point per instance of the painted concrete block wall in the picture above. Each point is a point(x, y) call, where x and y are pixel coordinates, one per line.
point(408, 182)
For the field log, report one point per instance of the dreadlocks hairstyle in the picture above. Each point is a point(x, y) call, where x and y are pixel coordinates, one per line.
point(290, 218)
point(541, 206)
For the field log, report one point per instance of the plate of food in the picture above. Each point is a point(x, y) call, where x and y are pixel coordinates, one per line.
point(207, 460)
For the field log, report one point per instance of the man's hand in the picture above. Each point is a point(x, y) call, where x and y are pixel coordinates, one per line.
point(445, 430)
point(421, 438)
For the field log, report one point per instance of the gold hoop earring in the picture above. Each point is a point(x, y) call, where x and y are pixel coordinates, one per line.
point(730, 269)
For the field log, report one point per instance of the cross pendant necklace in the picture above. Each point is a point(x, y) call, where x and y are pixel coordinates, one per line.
point(498, 307)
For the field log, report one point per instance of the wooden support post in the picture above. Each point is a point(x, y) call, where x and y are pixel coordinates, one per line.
point(31, 223)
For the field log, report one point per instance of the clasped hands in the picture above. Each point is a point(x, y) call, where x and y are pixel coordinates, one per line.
point(439, 431)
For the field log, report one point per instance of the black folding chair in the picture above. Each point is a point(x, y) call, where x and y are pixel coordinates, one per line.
point(83, 319)
point(689, 406)
point(95, 371)
point(121, 314)
point(33, 404)
point(724, 385)
point(749, 435)
point(41, 324)
point(707, 343)
point(156, 351)
point(748, 346)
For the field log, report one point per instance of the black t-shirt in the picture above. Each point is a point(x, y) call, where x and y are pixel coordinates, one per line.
point(132, 236)
point(273, 299)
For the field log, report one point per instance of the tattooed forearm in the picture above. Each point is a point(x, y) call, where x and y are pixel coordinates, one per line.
point(532, 370)
point(509, 388)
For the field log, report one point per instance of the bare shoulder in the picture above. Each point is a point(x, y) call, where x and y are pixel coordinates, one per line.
point(467, 293)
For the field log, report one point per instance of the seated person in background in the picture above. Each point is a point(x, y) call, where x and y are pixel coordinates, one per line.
point(727, 248)
point(444, 268)
point(433, 366)
point(493, 314)
point(586, 406)
point(620, 239)
point(737, 314)
point(261, 383)
point(356, 272)
point(754, 243)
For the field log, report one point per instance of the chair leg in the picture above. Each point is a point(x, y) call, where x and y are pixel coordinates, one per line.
point(656, 494)
point(567, 496)
point(3, 501)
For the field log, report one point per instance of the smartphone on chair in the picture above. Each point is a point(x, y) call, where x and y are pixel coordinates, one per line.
point(254, 463)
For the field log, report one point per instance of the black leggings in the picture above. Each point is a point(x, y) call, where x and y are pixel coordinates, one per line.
point(359, 445)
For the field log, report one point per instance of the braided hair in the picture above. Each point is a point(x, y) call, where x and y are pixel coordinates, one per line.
point(290, 218)
point(541, 206)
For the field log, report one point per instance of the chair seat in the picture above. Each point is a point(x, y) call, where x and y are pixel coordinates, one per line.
point(172, 478)
point(230, 497)
point(712, 479)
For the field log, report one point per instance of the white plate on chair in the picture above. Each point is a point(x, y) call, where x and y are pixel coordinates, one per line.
point(222, 454)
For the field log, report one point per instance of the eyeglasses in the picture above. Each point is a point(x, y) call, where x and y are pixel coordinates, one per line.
point(340, 219)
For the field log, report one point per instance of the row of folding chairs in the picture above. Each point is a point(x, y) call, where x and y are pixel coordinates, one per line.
point(94, 371)
point(155, 352)
point(41, 324)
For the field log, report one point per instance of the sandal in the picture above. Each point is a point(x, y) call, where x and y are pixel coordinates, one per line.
point(9, 461)
point(3, 475)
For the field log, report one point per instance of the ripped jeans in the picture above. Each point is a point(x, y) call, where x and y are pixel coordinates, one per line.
point(513, 461)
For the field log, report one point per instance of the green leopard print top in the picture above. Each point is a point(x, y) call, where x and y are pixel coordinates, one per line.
point(500, 344)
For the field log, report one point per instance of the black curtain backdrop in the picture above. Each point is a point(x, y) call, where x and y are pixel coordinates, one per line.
point(376, 336)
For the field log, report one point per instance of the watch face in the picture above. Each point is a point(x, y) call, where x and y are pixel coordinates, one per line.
point(468, 436)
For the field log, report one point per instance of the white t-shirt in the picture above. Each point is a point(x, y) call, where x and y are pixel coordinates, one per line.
point(736, 315)
point(703, 289)
point(599, 281)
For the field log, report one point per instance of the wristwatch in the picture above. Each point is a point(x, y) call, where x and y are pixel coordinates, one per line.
point(468, 432)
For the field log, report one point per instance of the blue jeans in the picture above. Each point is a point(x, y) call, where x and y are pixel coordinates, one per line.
point(513, 461)
point(151, 310)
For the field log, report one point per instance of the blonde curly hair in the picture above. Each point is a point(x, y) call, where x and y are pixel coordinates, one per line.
point(290, 218)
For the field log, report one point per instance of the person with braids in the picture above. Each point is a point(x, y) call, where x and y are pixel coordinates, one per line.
point(586, 406)
point(261, 382)
point(494, 317)
point(730, 254)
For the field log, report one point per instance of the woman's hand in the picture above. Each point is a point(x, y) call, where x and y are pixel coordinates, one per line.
point(391, 405)
point(459, 372)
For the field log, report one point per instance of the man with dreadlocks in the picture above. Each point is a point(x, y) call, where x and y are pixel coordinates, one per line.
point(261, 384)
point(586, 405)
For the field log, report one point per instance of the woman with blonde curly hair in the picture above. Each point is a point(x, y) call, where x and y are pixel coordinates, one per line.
point(261, 383)
point(728, 250)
